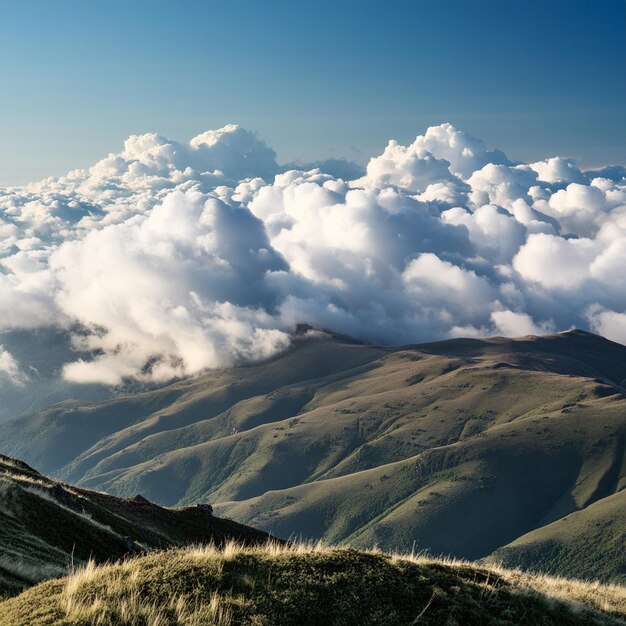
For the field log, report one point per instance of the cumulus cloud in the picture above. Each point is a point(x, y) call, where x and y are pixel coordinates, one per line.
point(555, 262)
point(558, 170)
point(410, 167)
point(441, 144)
point(512, 324)
point(169, 258)
point(174, 293)
point(609, 323)
point(339, 168)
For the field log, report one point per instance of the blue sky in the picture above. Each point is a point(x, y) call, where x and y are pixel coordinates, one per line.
point(315, 79)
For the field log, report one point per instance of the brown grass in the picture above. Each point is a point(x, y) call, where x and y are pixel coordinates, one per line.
point(307, 583)
point(121, 578)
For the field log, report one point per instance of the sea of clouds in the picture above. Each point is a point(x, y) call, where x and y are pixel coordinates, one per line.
point(169, 258)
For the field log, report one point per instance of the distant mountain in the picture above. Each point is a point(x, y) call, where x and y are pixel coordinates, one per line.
point(46, 526)
point(466, 447)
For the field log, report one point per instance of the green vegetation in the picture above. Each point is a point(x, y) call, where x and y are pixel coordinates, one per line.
point(463, 448)
point(588, 543)
point(298, 585)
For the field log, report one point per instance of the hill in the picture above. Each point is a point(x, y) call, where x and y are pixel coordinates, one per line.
point(460, 447)
point(46, 526)
point(308, 585)
point(588, 543)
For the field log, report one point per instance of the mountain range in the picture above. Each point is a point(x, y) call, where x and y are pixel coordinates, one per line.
point(508, 450)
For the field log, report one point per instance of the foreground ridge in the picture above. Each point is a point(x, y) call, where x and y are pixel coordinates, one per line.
point(308, 584)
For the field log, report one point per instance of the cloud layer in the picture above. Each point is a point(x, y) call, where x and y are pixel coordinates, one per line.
point(168, 258)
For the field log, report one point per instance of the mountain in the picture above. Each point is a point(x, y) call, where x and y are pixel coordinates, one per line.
point(46, 526)
point(68, 438)
point(468, 447)
point(294, 585)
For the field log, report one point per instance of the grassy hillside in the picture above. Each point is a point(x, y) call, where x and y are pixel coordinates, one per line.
point(459, 447)
point(70, 438)
point(308, 585)
point(46, 526)
point(586, 543)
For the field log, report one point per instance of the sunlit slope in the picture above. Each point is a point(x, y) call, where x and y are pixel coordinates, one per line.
point(466, 498)
point(459, 447)
point(70, 437)
point(295, 585)
point(46, 526)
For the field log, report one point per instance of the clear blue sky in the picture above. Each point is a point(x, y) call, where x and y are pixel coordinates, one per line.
point(315, 79)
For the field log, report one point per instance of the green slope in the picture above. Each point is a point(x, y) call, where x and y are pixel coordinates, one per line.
point(584, 544)
point(71, 437)
point(459, 447)
point(467, 498)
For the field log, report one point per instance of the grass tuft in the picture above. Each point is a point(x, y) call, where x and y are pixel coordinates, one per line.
point(307, 583)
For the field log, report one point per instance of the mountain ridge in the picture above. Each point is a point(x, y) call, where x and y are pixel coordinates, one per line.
point(460, 447)
point(48, 527)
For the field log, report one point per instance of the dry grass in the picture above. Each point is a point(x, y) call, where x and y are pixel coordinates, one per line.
point(41, 489)
point(123, 583)
point(25, 478)
point(307, 583)
point(605, 597)
point(269, 549)
point(45, 494)
point(130, 607)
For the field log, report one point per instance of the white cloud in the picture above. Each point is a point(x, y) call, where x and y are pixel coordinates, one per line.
point(9, 368)
point(181, 289)
point(609, 323)
point(465, 153)
point(557, 170)
point(512, 324)
point(168, 258)
point(410, 168)
point(501, 184)
point(554, 262)
point(495, 232)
